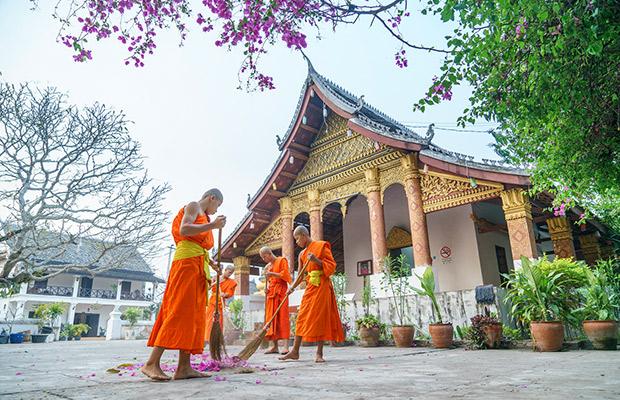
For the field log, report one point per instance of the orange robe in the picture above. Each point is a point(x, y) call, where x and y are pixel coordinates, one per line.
point(226, 286)
point(280, 327)
point(181, 321)
point(318, 317)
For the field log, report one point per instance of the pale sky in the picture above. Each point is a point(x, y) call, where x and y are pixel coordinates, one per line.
point(196, 129)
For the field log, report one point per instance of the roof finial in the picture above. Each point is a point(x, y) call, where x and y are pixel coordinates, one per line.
point(359, 105)
point(430, 133)
point(310, 66)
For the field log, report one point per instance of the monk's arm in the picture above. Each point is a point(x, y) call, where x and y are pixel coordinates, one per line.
point(327, 260)
point(299, 278)
point(284, 274)
point(189, 228)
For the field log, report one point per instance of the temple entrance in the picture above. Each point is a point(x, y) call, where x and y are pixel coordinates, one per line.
point(332, 233)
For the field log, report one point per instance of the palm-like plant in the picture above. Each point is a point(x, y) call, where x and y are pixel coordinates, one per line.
point(536, 296)
point(600, 302)
point(394, 277)
point(427, 281)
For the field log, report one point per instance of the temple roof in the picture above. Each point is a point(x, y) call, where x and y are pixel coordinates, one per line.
point(319, 94)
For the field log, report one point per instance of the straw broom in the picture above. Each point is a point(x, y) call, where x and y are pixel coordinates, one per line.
point(216, 340)
point(251, 348)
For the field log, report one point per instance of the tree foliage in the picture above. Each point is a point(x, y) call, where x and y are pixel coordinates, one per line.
point(71, 182)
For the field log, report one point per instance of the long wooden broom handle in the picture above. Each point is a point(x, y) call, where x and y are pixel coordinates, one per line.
point(281, 304)
point(217, 279)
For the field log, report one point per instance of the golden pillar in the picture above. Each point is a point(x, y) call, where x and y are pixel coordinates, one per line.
point(590, 248)
point(242, 275)
point(377, 221)
point(562, 237)
point(417, 218)
point(316, 227)
point(288, 242)
point(517, 209)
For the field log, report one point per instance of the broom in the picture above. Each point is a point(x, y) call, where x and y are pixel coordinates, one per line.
point(216, 340)
point(251, 348)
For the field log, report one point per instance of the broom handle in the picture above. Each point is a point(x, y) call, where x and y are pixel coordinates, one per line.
point(217, 292)
point(286, 298)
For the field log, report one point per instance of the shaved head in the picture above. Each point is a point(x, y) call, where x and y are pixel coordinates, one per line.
point(265, 250)
point(230, 267)
point(214, 192)
point(301, 230)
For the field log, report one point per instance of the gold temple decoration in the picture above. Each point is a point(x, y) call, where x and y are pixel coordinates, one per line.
point(372, 180)
point(441, 191)
point(398, 238)
point(271, 236)
point(559, 228)
point(242, 265)
point(516, 204)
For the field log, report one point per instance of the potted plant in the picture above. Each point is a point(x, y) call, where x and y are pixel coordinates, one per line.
point(441, 332)
point(394, 279)
point(539, 299)
point(10, 321)
point(600, 306)
point(235, 307)
point(339, 282)
point(131, 315)
point(78, 330)
point(48, 313)
point(485, 331)
point(369, 327)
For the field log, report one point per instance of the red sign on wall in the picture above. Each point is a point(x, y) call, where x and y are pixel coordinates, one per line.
point(445, 252)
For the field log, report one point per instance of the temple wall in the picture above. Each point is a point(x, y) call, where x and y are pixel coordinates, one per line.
point(487, 242)
point(357, 246)
point(395, 208)
point(453, 228)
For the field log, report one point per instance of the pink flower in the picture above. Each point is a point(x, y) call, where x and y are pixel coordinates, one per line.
point(19, 373)
point(257, 382)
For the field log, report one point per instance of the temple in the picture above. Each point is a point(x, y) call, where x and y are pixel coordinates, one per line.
point(371, 187)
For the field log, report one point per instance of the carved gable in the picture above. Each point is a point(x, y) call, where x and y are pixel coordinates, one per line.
point(440, 191)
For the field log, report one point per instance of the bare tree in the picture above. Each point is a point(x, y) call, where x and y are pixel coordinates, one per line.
point(74, 194)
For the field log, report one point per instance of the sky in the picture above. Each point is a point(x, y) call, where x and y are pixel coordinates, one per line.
point(197, 129)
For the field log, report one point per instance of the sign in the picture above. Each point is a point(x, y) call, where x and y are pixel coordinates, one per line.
point(445, 252)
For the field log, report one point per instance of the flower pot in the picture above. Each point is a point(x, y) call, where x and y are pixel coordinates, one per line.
point(442, 335)
point(45, 330)
point(39, 338)
point(62, 339)
point(78, 337)
point(131, 332)
point(403, 335)
point(494, 332)
point(602, 334)
point(370, 336)
point(548, 336)
point(17, 337)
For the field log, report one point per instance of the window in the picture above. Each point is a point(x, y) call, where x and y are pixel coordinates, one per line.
point(125, 287)
point(40, 284)
point(502, 262)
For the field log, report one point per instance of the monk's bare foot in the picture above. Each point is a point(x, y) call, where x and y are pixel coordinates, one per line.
point(272, 350)
point(290, 356)
point(154, 372)
point(190, 373)
point(319, 359)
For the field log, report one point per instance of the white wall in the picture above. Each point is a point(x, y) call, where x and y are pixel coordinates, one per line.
point(455, 229)
point(357, 243)
point(487, 242)
point(395, 209)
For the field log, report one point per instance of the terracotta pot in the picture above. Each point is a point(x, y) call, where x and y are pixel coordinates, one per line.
point(602, 334)
point(370, 337)
point(442, 335)
point(494, 332)
point(403, 335)
point(549, 336)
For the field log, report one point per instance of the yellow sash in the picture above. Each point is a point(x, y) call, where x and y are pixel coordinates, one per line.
point(315, 277)
point(187, 249)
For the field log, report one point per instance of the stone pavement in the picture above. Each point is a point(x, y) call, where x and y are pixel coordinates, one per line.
point(77, 370)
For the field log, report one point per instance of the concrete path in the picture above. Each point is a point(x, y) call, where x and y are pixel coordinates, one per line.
point(77, 370)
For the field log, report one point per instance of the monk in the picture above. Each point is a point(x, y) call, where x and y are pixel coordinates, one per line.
point(227, 290)
point(181, 322)
point(318, 318)
point(278, 279)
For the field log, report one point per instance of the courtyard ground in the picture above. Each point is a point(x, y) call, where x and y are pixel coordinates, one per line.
point(77, 370)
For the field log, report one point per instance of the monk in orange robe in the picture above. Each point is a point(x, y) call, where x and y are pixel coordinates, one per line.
point(318, 318)
point(278, 278)
point(181, 321)
point(227, 290)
